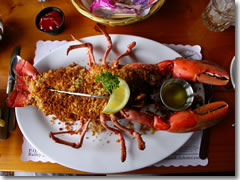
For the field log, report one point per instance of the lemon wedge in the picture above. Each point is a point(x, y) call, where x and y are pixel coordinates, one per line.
point(118, 98)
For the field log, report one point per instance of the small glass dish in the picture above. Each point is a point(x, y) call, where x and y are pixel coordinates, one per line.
point(176, 94)
point(44, 12)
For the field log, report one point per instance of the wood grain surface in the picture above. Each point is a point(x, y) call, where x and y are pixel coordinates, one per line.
point(178, 22)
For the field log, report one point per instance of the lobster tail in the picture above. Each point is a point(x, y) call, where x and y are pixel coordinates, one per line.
point(19, 96)
point(24, 68)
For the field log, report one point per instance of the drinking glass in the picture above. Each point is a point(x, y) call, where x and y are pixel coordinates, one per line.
point(219, 15)
point(1, 28)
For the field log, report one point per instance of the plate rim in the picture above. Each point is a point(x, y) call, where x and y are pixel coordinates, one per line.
point(39, 149)
point(231, 72)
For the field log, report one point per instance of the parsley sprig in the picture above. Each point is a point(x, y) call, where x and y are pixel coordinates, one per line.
point(108, 80)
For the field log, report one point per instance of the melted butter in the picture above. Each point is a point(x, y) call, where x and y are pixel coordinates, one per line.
point(174, 95)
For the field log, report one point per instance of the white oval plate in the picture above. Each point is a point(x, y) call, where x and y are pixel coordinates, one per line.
point(101, 153)
point(233, 71)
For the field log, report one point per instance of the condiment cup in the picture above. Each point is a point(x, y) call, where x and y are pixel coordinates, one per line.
point(45, 11)
point(176, 94)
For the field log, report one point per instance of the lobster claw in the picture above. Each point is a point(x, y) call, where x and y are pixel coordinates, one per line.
point(180, 122)
point(195, 71)
point(201, 118)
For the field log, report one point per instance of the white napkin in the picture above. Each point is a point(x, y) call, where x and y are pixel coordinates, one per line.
point(187, 155)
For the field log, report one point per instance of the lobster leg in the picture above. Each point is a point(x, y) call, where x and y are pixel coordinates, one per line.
point(73, 144)
point(118, 133)
point(75, 39)
point(128, 51)
point(141, 143)
point(184, 121)
point(90, 48)
point(91, 59)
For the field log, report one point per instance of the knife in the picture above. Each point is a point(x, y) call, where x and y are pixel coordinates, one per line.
point(203, 151)
point(12, 118)
point(9, 113)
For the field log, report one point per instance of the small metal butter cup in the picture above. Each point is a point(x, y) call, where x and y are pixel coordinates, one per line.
point(186, 86)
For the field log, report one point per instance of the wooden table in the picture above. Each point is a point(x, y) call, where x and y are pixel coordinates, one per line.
point(178, 22)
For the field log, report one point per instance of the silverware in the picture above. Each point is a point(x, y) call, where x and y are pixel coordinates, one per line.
point(12, 118)
point(9, 113)
point(79, 94)
point(16, 59)
point(203, 152)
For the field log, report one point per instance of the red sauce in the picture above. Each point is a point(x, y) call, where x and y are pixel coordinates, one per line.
point(50, 21)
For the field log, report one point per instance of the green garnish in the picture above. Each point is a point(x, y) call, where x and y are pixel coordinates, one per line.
point(108, 80)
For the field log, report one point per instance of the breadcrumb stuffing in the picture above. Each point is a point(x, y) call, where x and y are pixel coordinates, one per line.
point(75, 78)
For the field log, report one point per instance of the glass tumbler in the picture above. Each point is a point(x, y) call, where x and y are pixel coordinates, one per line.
point(1, 28)
point(219, 15)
